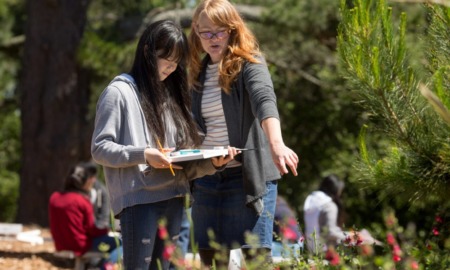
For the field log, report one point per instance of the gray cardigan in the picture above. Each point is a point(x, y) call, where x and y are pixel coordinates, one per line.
point(252, 99)
point(118, 143)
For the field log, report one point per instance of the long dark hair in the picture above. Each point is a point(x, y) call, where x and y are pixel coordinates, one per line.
point(165, 39)
point(76, 179)
point(333, 187)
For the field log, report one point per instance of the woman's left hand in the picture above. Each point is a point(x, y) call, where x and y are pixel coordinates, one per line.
point(282, 156)
point(220, 161)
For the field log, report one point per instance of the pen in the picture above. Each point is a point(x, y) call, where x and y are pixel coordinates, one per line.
point(162, 150)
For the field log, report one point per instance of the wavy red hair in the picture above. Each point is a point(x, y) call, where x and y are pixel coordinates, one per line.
point(242, 44)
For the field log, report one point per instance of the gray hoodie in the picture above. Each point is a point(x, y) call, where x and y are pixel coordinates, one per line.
point(118, 143)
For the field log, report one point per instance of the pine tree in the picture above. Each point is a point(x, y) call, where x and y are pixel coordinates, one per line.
point(409, 109)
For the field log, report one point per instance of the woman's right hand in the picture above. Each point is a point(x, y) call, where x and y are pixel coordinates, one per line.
point(157, 159)
point(220, 161)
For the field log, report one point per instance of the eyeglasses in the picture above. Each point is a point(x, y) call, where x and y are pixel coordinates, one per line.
point(210, 35)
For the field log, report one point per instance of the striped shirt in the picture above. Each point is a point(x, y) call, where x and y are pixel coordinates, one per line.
point(212, 113)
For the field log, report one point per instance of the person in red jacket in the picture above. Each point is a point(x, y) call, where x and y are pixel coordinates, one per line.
point(71, 216)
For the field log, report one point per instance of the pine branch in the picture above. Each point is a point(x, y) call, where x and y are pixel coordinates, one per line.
point(415, 162)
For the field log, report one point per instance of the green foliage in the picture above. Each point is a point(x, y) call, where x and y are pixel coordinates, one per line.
point(319, 120)
point(11, 15)
point(9, 193)
point(9, 166)
point(9, 66)
point(105, 52)
point(373, 51)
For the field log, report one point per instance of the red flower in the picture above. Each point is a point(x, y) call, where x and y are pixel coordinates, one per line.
point(333, 257)
point(358, 241)
point(396, 253)
point(162, 232)
point(301, 239)
point(288, 233)
point(396, 258)
point(168, 251)
point(396, 250)
point(438, 219)
point(390, 239)
point(435, 231)
point(347, 240)
point(414, 265)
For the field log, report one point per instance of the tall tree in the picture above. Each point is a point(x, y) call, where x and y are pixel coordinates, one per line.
point(54, 100)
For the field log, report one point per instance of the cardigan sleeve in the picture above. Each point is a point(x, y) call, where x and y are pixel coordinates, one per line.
point(110, 129)
point(258, 84)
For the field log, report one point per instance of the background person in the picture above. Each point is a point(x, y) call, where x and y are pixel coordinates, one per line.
point(138, 114)
point(99, 197)
point(288, 239)
point(234, 104)
point(323, 216)
point(71, 219)
point(322, 209)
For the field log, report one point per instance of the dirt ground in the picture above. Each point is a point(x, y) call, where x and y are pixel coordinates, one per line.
point(17, 255)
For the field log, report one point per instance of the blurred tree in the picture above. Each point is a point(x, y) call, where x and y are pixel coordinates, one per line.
point(415, 165)
point(54, 95)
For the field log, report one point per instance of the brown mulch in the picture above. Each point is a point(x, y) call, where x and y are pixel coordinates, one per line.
point(17, 255)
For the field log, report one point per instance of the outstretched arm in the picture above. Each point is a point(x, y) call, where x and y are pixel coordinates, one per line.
point(281, 154)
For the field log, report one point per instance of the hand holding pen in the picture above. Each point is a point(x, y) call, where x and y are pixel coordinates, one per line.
point(157, 159)
point(161, 148)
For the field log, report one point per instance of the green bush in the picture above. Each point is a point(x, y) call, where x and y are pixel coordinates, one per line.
point(9, 193)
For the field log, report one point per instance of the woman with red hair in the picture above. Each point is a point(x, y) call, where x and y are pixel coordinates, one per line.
point(234, 103)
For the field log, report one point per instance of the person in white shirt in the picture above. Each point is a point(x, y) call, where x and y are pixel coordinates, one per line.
point(323, 216)
point(321, 210)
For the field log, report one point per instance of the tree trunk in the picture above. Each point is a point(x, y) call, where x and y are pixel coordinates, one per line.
point(54, 103)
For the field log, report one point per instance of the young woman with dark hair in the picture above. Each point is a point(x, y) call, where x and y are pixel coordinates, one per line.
point(138, 114)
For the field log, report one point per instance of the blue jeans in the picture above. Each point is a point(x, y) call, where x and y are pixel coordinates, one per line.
point(290, 250)
point(219, 205)
point(141, 245)
point(183, 240)
point(106, 243)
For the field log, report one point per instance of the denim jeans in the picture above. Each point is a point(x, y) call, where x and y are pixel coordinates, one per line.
point(219, 205)
point(106, 243)
point(183, 240)
point(290, 250)
point(139, 224)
